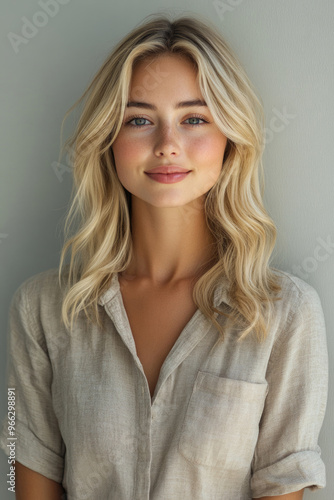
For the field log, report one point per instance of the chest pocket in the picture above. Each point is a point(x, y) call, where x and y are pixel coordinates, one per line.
point(221, 424)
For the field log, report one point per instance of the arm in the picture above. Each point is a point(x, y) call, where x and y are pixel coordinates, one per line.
point(297, 495)
point(30, 485)
point(41, 453)
point(287, 455)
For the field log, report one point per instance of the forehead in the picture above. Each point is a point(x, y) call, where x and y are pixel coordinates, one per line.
point(152, 64)
point(163, 73)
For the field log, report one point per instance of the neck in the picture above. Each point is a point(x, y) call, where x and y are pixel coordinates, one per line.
point(170, 244)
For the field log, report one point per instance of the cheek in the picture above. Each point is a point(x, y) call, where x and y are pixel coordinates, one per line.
point(208, 155)
point(126, 151)
point(209, 149)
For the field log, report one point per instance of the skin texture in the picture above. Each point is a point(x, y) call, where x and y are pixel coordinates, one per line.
point(30, 485)
point(168, 220)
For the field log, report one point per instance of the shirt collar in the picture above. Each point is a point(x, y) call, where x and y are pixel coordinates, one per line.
point(221, 293)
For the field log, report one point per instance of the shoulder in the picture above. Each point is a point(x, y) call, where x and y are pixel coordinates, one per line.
point(39, 291)
point(35, 310)
point(295, 291)
point(299, 311)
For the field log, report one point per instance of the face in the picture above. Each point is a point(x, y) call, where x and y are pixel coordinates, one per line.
point(167, 134)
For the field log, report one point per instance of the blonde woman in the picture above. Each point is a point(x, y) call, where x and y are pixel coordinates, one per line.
point(167, 359)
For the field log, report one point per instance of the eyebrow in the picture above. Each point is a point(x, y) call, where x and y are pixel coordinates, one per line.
point(182, 104)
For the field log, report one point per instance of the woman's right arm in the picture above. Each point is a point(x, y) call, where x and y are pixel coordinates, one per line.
point(30, 485)
point(29, 382)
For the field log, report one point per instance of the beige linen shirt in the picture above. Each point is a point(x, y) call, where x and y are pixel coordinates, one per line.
point(227, 421)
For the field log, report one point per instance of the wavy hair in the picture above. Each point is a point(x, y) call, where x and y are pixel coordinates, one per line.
point(244, 233)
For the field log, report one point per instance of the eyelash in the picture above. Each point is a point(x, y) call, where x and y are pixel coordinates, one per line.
point(143, 118)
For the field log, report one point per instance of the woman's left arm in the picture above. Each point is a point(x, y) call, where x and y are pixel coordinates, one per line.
point(287, 456)
point(297, 495)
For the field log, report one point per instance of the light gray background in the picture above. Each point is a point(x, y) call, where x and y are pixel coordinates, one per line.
point(286, 48)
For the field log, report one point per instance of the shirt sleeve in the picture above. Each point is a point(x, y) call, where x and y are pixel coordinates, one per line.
point(38, 443)
point(287, 456)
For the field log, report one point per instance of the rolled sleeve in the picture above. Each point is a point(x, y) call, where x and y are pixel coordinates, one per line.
point(38, 443)
point(287, 457)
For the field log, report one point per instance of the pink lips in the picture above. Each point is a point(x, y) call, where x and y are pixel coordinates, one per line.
point(168, 174)
point(167, 169)
point(168, 178)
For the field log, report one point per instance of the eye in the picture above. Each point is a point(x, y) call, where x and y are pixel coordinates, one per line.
point(136, 118)
point(139, 125)
point(196, 117)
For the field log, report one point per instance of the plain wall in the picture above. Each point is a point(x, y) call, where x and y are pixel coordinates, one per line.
point(287, 50)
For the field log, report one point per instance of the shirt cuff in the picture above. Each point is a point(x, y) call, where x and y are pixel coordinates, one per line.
point(32, 453)
point(303, 469)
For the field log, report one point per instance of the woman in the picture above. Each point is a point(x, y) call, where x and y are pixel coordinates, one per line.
point(170, 360)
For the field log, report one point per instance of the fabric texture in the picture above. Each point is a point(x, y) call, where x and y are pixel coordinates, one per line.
point(226, 421)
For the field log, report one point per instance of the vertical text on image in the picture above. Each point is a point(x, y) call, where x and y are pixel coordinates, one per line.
point(11, 439)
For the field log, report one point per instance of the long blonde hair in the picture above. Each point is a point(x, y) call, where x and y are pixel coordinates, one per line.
point(244, 233)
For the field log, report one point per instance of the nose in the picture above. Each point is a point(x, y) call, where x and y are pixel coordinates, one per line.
point(167, 141)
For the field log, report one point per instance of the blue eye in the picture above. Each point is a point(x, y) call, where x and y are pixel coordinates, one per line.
point(139, 125)
point(137, 118)
point(196, 118)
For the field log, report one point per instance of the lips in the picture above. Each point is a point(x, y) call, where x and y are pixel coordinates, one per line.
point(168, 169)
point(168, 178)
